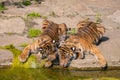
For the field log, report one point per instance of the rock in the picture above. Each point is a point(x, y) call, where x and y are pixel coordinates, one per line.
point(37, 23)
point(16, 40)
point(110, 48)
point(6, 58)
point(109, 24)
point(9, 2)
point(115, 16)
point(70, 15)
point(12, 25)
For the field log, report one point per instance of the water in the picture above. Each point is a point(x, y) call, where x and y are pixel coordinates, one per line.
point(56, 74)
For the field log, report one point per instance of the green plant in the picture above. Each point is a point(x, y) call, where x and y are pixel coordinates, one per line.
point(23, 45)
point(52, 14)
point(33, 32)
point(34, 15)
point(98, 19)
point(72, 31)
point(26, 2)
point(44, 17)
point(2, 7)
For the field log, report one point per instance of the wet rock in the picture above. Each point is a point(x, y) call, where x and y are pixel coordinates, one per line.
point(6, 58)
point(12, 25)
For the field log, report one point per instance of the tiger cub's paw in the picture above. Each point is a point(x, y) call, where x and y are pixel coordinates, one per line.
point(23, 58)
point(48, 64)
point(104, 66)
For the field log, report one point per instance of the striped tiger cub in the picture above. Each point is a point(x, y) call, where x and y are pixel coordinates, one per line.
point(84, 41)
point(76, 47)
point(92, 31)
point(46, 44)
point(62, 28)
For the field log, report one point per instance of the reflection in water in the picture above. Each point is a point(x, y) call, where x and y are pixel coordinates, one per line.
point(56, 74)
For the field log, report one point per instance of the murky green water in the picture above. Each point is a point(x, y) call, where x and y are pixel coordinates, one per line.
point(56, 74)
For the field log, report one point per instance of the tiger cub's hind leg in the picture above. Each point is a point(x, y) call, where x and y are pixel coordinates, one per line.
point(99, 56)
point(25, 54)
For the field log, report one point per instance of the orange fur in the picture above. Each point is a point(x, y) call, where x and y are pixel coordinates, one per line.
point(80, 46)
point(46, 43)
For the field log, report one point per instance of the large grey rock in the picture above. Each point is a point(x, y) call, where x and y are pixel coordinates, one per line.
point(115, 16)
point(105, 7)
point(111, 48)
point(110, 24)
point(6, 58)
point(13, 39)
point(12, 25)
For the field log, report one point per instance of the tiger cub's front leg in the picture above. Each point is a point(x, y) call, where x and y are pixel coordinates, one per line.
point(25, 54)
point(50, 60)
point(32, 48)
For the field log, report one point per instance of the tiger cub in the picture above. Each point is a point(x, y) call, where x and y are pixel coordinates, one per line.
point(46, 45)
point(76, 46)
point(84, 41)
point(92, 31)
point(62, 28)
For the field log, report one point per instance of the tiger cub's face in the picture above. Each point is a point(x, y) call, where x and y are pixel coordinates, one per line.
point(45, 45)
point(66, 55)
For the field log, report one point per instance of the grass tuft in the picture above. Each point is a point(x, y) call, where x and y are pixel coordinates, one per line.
point(26, 2)
point(33, 32)
point(72, 31)
point(23, 45)
point(2, 7)
point(34, 15)
point(97, 18)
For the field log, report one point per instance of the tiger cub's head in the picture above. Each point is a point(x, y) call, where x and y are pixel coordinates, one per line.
point(45, 23)
point(45, 45)
point(82, 24)
point(62, 31)
point(62, 28)
point(66, 54)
